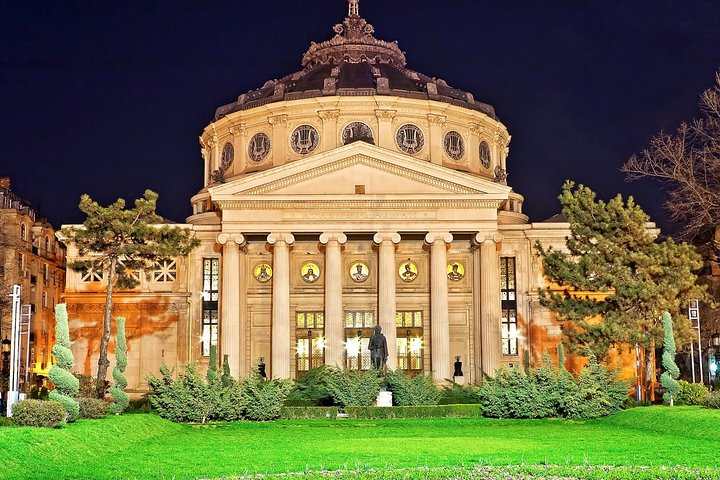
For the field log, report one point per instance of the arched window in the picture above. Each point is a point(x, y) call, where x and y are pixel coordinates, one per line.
point(23, 232)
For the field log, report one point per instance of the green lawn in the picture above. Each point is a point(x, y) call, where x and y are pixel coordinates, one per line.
point(145, 446)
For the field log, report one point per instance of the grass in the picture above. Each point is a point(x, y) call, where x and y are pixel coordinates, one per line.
point(145, 446)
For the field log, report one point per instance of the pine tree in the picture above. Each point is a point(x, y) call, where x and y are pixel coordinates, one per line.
point(616, 278)
point(668, 379)
point(226, 379)
point(118, 241)
point(561, 356)
point(66, 384)
point(118, 390)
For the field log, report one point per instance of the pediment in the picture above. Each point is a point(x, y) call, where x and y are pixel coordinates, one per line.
point(380, 172)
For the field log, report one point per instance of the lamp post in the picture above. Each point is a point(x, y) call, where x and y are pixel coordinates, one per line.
point(713, 354)
point(5, 372)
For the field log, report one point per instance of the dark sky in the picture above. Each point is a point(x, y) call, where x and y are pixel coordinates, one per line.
point(108, 98)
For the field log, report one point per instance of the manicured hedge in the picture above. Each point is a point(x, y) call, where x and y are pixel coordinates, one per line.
point(308, 412)
point(38, 413)
point(419, 411)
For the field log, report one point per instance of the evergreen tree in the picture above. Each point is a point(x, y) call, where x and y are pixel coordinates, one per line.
point(212, 365)
point(561, 356)
point(66, 384)
point(119, 241)
point(624, 277)
point(668, 379)
point(118, 390)
point(226, 379)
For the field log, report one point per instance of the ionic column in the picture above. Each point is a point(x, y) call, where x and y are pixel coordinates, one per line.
point(333, 297)
point(489, 302)
point(280, 357)
point(387, 305)
point(230, 308)
point(440, 325)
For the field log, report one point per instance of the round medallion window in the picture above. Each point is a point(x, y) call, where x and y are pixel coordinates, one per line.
point(357, 131)
point(485, 154)
point(310, 272)
point(262, 272)
point(410, 139)
point(304, 139)
point(259, 147)
point(228, 153)
point(408, 271)
point(359, 272)
point(455, 271)
point(454, 145)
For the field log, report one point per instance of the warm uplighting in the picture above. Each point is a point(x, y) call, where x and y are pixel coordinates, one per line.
point(6, 345)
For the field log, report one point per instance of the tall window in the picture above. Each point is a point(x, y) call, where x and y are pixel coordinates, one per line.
point(409, 340)
point(211, 278)
point(358, 330)
point(508, 298)
point(310, 340)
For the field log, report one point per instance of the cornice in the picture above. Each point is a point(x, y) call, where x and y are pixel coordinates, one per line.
point(375, 204)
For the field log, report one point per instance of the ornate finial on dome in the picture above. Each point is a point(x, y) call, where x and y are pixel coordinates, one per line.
point(353, 8)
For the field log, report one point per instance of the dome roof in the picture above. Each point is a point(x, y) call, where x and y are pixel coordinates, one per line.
point(354, 63)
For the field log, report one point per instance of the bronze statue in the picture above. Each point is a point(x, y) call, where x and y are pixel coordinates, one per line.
point(378, 348)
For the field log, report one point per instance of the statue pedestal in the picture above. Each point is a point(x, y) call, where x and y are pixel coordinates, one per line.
point(459, 380)
point(384, 399)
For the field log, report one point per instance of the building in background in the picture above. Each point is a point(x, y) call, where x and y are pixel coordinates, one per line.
point(32, 257)
point(353, 192)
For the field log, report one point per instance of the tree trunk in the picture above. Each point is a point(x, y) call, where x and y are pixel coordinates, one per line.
point(103, 361)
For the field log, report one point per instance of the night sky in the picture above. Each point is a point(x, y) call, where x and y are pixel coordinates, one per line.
point(109, 98)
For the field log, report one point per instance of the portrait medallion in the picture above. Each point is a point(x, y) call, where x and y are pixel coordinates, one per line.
point(408, 271)
point(262, 272)
point(455, 271)
point(359, 272)
point(310, 272)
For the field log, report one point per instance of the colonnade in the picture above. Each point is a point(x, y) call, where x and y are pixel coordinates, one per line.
point(486, 297)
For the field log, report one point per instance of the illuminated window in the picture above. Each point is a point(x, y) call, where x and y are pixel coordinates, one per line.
point(358, 330)
point(310, 347)
point(409, 334)
point(508, 298)
point(23, 232)
point(210, 294)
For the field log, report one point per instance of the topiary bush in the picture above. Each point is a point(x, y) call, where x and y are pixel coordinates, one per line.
point(668, 379)
point(66, 385)
point(416, 411)
point(265, 398)
point(691, 393)
point(353, 387)
point(308, 412)
point(408, 391)
point(92, 407)
point(118, 390)
point(38, 413)
point(311, 389)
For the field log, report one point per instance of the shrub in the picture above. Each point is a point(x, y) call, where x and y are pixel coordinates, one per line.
point(691, 393)
point(141, 405)
point(40, 393)
point(92, 407)
point(232, 400)
point(6, 422)
point(599, 392)
point(38, 413)
point(308, 412)
point(407, 390)
point(712, 400)
point(118, 390)
point(187, 399)
point(417, 411)
point(311, 389)
point(265, 398)
point(458, 394)
point(87, 385)
point(351, 387)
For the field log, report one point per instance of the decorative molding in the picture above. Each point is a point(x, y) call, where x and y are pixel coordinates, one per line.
point(482, 237)
point(329, 114)
point(286, 238)
point(385, 114)
point(438, 120)
point(359, 160)
point(339, 237)
point(279, 120)
point(476, 128)
point(335, 205)
point(123, 308)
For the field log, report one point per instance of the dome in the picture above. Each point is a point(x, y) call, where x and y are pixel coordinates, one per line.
point(354, 63)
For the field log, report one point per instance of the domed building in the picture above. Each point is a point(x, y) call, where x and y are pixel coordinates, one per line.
point(352, 193)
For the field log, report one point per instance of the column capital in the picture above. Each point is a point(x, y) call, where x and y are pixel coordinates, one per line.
point(433, 237)
point(326, 237)
point(287, 238)
point(482, 237)
point(381, 237)
point(224, 238)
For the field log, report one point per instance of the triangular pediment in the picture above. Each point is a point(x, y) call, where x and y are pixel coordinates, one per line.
point(377, 171)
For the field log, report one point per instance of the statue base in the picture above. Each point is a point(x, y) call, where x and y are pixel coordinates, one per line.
point(384, 399)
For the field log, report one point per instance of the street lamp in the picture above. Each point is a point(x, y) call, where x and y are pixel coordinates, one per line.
point(5, 370)
point(715, 340)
